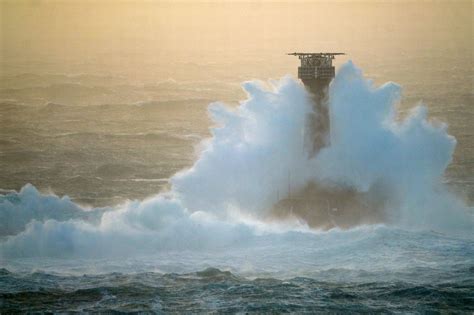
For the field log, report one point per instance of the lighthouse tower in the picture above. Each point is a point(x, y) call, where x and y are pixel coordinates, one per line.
point(320, 205)
point(316, 71)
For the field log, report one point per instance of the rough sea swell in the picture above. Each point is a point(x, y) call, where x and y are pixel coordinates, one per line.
point(218, 214)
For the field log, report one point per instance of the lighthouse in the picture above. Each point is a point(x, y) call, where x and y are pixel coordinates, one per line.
point(316, 71)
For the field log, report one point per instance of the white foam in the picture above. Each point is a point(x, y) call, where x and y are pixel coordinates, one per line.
point(245, 167)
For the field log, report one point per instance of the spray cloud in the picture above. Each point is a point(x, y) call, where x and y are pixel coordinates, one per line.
point(243, 170)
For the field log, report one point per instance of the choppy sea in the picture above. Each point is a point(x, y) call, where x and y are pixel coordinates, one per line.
point(373, 269)
point(102, 140)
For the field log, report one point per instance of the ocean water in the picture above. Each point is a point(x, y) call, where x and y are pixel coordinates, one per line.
point(156, 256)
point(368, 270)
point(215, 291)
point(123, 190)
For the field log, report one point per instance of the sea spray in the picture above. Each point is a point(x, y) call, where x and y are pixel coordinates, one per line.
point(255, 152)
point(402, 160)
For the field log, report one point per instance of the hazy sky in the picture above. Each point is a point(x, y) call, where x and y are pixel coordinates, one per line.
point(128, 36)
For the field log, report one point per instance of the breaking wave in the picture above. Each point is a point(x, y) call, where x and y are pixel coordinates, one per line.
point(255, 158)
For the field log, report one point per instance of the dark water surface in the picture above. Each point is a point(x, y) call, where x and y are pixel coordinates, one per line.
point(363, 271)
point(215, 291)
